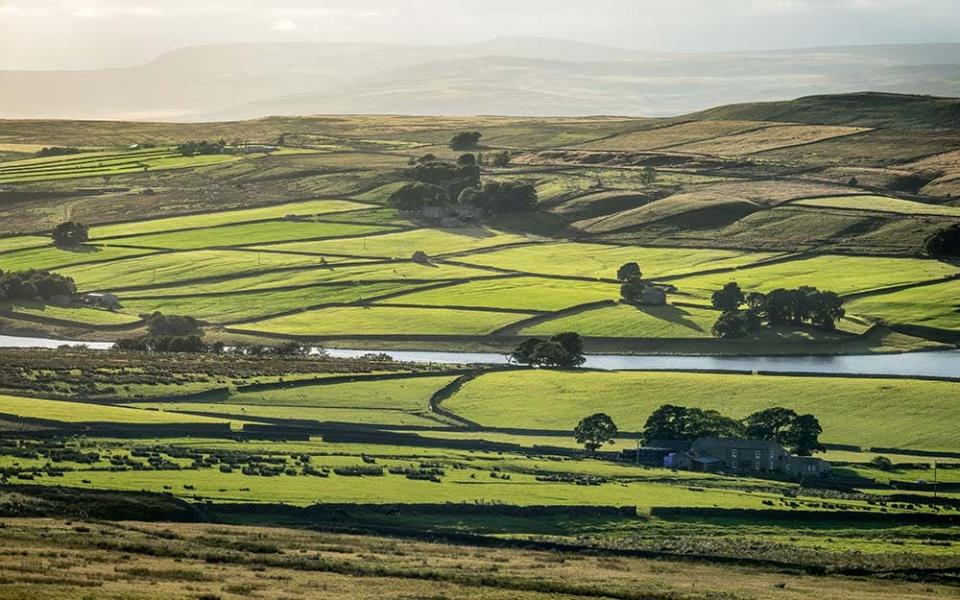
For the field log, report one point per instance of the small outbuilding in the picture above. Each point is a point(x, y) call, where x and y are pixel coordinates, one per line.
point(104, 301)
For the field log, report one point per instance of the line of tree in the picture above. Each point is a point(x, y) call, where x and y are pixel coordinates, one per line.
point(798, 433)
point(35, 284)
point(451, 178)
point(500, 197)
point(193, 148)
point(564, 351)
point(69, 234)
point(799, 306)
point(58, 151)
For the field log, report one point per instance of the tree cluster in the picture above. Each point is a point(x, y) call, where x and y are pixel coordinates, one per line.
point(451, 178)
point(564, 350)
point(159, 324)
point(69, 234)
point(499, 197)
point(465, 140)
point(193, 148)
point(58, 151)
point(803, 305)
point(944, 243)
point(415, 196)
point(798, 433)
point(34, 284)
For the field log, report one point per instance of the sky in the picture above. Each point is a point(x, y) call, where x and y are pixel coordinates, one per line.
point(83, 34)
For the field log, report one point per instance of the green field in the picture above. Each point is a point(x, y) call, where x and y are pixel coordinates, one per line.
point(408, 394)
point(248, 234)
point(51, 257)
point(404, 244)
point(931, 306)
point(841, 274)
point(882, 204)
point(602, 261)
point(294, 413)
point(852, 411)
point(180, 266)
point(625, 321)
point(384, 320)
point(75, 412)
point(518, 293)
point(309, 208)
point(22, 242)
point(88, 316)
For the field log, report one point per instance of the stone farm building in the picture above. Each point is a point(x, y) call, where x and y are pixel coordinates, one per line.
point(741, 456)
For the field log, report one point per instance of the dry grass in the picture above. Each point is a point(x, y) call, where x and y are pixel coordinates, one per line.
point(56, 559)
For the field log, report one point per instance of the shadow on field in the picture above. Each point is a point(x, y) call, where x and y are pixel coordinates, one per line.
point(672, 314)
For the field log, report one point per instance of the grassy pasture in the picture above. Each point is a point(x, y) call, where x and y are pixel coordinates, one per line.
point(409, 394)
point(398, 272)
point(521, 293)
point(179, 266)
point(403, 244)
point(931, 306)
point(75, 412)
point(883, 204)
point(294, 413)
point(104, 164)
point(243, 306)
point(22, 242)
point(602, 260)
point(384, 320)
point(632, 321)
point(841, 274)
point(309, 208)
point(52, 258)
point(86, 316)
point(678, 206)
point(852, 411)
point(768, 138)
point(248, 234)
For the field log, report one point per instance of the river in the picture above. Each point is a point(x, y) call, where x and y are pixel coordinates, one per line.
point(941, 364)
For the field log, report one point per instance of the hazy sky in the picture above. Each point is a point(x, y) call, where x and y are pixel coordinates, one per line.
point(50, 34)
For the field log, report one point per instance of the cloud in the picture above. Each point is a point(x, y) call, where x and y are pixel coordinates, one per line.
point(283, 25)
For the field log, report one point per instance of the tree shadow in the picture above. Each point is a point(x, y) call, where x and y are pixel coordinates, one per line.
point(470, 231)
point(81, 249)
point(671, 313)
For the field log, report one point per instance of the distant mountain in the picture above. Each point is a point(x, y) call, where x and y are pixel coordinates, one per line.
point(515, 76)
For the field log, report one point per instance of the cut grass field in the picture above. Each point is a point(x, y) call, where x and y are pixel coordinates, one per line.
point(672, 135)
point(403, 244)
point(851, 411)
point(245, 305)
point(76, 412)
point(768, 138)
point(248, 234)
point(518, 293)
point(180, 266)
point(882, 204)
point(294, 413)
point(22, 242)
point(930, 306)
point(384, 320)
point(104, 164)
point(601, 261)
point(841, 274)
point(86, 316)
point(308, 208)
point(53, 258)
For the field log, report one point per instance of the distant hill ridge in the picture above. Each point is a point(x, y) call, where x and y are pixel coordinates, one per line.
point(859, 109)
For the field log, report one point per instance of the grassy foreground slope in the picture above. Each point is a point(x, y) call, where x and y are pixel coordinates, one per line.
point(864, 412)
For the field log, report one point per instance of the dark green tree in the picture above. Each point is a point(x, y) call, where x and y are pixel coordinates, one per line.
point(629, 272)
point(803, 436)
point(415, 196)
point(769, 424)
point(826, 310)
point(564, 350)
point(730, 297)
point(595, 431)
point(735, 324)
point(465, 140)
point(161, 325)
point(466, 160)
point(501, 160)
point(69, 234)
point(945, 243)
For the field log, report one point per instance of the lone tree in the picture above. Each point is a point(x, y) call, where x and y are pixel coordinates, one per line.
point(159, 324)
point(465, 140)
point(803, 436)
point(629, 272)
point(501, 160)
point(595, 431)
point(69, 234)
